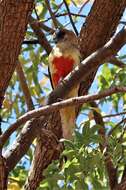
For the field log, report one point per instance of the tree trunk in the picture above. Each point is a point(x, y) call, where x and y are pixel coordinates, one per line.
point(13, 19)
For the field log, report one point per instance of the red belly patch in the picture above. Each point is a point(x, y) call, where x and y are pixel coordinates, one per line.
point(63, 66)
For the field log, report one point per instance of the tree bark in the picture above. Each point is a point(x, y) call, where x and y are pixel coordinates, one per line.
point(48, 153)
point(99, 27)
point(13, 21)
point(13, 18)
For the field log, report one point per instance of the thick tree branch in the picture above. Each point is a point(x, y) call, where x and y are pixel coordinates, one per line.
point(35, 174)
point(98, 28)
point(22, 143)
point(56, 106)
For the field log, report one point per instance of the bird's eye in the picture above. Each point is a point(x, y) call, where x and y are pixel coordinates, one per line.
point(60, 35)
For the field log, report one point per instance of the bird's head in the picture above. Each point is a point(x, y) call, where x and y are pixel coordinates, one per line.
point(65, 36)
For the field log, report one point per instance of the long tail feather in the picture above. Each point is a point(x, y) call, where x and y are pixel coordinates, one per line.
point(68, 117)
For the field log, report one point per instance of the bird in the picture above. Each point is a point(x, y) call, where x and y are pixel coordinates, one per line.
point(64, 57)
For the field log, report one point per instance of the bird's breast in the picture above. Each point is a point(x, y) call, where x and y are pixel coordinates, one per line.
point(63, 66)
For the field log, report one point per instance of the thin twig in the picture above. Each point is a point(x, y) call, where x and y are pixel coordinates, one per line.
point(59, 7)
point(114, 115)
point(73, 14)
point(117, 62)
point(117, 125)
point(36, 14)
point(55, 22)
point(71, 20)
point(85, 3)
point(30, 42)
point(66, 14)
point(123, 22)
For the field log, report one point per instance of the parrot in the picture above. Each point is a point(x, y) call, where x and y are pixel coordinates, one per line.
point(64, 57)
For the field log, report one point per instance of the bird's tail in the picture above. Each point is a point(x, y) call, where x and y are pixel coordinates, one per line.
point(68, 117)
point(68, 121)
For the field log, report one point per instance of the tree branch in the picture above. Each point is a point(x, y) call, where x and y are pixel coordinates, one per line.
point(12, 33)
point(71, 20)
point(98, 28)
point(117, 62)
point(23, 141)
point(56, 106)
point(114, 115)
point(55, 22)
point(65, 14)
point(40, 34)
point(24, 86)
